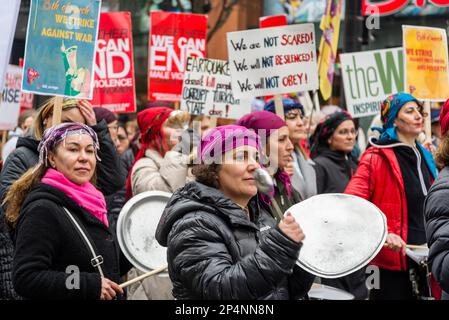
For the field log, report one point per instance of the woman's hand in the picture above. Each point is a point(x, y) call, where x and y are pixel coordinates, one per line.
point(289, 168)
point(88, 113)
point(109, 289)
point(291, 228)
point(395, 243)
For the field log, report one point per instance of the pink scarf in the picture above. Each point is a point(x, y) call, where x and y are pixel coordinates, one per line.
point(85, 195)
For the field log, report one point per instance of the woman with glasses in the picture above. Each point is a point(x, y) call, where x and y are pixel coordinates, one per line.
point(331, 147)
point(395, 174)
point(300, 169)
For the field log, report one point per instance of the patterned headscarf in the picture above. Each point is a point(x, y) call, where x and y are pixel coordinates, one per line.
point(389, 111)
point(325, 129)
point(289, 104)
point(54, 135)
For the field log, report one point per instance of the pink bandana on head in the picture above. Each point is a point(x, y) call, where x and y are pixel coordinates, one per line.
point(222, 139)
point(85, 195)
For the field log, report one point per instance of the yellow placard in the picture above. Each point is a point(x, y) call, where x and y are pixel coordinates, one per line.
point(426, 63)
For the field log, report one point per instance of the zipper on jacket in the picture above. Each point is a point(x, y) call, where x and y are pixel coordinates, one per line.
point(421, 177)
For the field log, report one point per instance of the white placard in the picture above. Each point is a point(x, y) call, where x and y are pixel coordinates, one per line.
point(273, 60)
point(9, 11)
point(369, 77)
point(11, 96)
point(207, 90)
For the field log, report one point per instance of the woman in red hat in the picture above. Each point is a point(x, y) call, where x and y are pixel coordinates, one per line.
point(160, 165)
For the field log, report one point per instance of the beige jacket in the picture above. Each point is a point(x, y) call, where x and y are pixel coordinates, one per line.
point(154, 172)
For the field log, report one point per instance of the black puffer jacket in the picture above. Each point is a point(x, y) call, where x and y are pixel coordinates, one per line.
point(216, 252)
point(46, 243)
point(436, 215)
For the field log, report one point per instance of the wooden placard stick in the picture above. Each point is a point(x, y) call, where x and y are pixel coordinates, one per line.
point(57, 111)
point(279, 106)
point(213, 121)
point(427, 121)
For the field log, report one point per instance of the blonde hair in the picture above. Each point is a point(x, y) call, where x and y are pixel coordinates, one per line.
point(45, 111)
point(19, 190)
point(177, 119)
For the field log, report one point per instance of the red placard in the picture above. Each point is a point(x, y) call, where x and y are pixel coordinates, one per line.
point(173, 38)
point(273, 21)
point(114, 83)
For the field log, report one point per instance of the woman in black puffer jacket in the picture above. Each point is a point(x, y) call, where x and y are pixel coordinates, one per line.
point(436, 211)
point(221, 244)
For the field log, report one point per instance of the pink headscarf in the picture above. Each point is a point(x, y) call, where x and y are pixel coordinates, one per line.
point(222, 139)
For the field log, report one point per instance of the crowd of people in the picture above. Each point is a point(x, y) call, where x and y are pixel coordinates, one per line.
point(63, 185)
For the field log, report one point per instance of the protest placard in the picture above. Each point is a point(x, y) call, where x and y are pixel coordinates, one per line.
point(11, 96)
point(114, 84)
point(273, 61)
point(369, 77)
point(173, 38)
point(207, 90)
point(60, 47)
point(9, 11)
point(426, 63)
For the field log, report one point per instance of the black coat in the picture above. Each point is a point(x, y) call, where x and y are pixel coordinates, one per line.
point(436, 216)
point(216, 252)
point(46, 244)
point(117, 200)
point(333, 170)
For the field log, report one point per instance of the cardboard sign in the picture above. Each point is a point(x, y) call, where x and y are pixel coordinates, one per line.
point(9, 11)
point(60, 47)
point(273, 60)
point(11, 96)
point(426, 63)
point(114, 84)
point(207, 90)
point(369, 77)
point(173, 38)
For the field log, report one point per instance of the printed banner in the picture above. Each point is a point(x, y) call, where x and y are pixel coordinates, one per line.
point(369, 77)
point(60, 47)
point(11, 95)
point(426, 63)
point(207, 90)
point(114, 84)
point(173, 38)
point(9, 11)
point(273, 60)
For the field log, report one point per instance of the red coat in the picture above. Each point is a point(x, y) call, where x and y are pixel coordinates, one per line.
point(378, 179)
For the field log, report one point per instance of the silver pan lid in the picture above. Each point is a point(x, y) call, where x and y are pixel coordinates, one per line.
point(136, 230)
point(343, 233)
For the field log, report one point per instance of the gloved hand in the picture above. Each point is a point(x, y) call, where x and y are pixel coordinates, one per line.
point(187, 141)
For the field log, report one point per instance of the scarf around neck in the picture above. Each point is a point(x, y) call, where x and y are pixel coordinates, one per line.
point(85, 195)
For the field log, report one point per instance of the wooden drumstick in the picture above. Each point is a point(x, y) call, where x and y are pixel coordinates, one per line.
point(411, 246)
point(144, 276)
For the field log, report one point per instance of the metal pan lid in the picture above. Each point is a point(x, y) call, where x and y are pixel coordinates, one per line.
point(136, 230)
point(343, 233)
